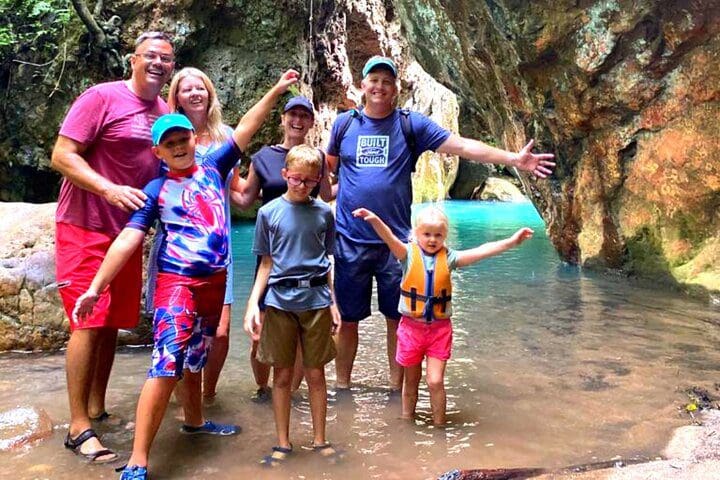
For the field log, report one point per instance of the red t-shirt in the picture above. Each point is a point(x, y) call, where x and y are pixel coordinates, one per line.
point(114, 124)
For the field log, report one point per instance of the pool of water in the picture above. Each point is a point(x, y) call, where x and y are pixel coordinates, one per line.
point(551, 366)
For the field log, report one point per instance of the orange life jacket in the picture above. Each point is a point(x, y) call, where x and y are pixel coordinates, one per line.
point(426, 293)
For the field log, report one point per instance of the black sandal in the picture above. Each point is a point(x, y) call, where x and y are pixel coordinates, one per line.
point(74, 444)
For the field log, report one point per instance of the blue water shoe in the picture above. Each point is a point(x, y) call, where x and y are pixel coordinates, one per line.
point(211, 428)
point(135, 472)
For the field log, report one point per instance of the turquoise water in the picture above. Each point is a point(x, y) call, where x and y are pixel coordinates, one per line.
point(551, 366)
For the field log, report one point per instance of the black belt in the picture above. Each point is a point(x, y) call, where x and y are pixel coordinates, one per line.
point(297, 283)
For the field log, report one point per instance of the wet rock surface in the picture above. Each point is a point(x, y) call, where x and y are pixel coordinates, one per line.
point(23, 425)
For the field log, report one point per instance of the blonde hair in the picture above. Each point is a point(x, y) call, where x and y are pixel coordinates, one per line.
point(214, 114)
point(304, 156)
point(431, 215)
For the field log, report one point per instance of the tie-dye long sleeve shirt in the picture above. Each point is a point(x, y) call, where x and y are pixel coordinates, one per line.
point(191, 210)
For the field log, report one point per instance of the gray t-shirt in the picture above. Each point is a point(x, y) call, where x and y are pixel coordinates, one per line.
point(298, 237)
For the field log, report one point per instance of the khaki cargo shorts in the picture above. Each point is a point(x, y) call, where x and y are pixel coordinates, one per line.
point(282, 330)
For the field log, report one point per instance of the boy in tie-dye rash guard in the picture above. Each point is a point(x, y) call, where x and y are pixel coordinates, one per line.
point(192, 263)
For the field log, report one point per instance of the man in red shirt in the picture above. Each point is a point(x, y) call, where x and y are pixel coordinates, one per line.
point(103, 151)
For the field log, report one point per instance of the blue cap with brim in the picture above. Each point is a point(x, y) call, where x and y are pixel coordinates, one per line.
point(379, 62)
point(301, 102)
point(168, 122)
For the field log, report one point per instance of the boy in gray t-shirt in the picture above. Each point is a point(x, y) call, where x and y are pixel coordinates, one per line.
point(294, 235)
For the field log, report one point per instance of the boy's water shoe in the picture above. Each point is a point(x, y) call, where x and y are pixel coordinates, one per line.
point(136, 472)
point(262, 395)
point(329, 453)
point(277, 457)
point(211, 428)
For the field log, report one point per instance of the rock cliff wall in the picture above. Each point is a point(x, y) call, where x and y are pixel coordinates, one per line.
point(625, 93)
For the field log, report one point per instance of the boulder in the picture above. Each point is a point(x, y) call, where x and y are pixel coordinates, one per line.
point(470, 177)
point(501, 190)
point(31, 312)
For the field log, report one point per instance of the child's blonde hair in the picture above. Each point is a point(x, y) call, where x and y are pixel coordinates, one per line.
point(431, 215)
point(304, 156)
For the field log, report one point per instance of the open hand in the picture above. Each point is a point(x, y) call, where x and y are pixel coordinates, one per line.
point(537, 163)
point(290, 77)
point(365, 214)
point(522, 235)
point(84, 306)
point(253, 323)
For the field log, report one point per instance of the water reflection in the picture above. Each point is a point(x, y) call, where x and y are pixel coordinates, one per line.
point(551, 366)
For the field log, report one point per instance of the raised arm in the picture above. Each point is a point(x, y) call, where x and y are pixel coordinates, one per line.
point(254, 118)
point(489, 249)
point(539, 164)
point(252, 321)
point(67, 158)
point(122, 248)
point(244, 191)
point(397, 247)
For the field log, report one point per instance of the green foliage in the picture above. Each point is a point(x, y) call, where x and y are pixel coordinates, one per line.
point(32, 28)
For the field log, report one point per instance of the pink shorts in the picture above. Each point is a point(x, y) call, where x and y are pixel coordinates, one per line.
point(417, 339)
point(78, 255)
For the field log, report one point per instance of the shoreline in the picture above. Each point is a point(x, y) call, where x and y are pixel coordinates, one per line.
point(692, 453)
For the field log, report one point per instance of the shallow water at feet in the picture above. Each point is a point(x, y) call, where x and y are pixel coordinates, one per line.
point(551, 366)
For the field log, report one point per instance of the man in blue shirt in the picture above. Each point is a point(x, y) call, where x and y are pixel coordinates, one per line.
point(375, 166)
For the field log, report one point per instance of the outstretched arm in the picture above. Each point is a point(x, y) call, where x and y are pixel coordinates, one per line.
point(489, 249)
point(539, 164)
point(254, 118)
point(117, 256)
point(397, 247)
point(244, 191)
point(67, 158)
point(252, 321)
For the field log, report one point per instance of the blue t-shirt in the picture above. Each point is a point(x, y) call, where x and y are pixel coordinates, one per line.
point(298, 237)
point(268, 163)
point(191, 210)
point(375, 167)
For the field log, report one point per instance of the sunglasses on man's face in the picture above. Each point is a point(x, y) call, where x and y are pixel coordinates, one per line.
point(296, 181)
point(152, 56)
